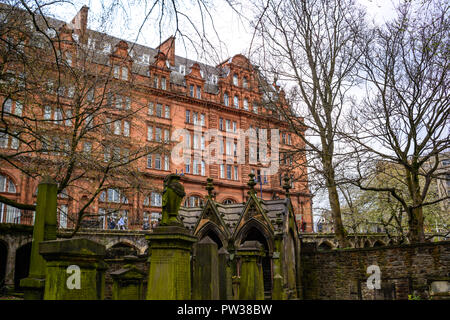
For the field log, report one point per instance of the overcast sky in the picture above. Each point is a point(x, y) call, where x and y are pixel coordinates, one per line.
point(233, 29)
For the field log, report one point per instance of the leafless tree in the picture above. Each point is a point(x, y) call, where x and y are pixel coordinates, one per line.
point(63, 113)
point(313, 47)
point(403, 122)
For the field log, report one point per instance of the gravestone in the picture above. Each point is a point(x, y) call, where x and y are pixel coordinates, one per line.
point(206, 271)
point(44, 229)
point(170, 246)
point(75, 269)
point(251, 285)
point(128, 282)
point(225, 285)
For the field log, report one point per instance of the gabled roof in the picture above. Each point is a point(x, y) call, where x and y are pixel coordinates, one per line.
point(210, 213)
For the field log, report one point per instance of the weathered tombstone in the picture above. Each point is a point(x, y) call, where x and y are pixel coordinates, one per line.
point(74, 269)
point(128, 282)
point(225, 286)
point(440, 290)
point(206, 271)
point(44, 229)
point(278, 291)
point(170, 247)
point(251, 285)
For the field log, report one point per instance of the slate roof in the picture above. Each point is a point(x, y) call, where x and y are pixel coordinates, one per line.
point(231, 213)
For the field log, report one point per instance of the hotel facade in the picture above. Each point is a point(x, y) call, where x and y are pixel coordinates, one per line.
point(146, 106)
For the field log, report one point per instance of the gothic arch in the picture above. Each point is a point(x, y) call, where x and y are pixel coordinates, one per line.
point(122, 248)
point(213, 231)
point(22, 264)
point(244, 231)
point(325, 245)
point(378, 243)
point(228, 198)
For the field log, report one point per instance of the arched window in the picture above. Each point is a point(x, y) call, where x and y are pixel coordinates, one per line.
point(226, 99)
point(193, 201)
point(113, 195)
point(6, 185)
point(156, 199)
point(228, 201)
point(245, 82)
point(236, 101)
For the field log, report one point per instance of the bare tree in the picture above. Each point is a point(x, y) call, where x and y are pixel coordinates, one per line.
point(402, 124)
point(65, 112)
point(313, 47)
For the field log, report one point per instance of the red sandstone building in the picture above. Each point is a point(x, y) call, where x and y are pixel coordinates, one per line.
point(159, 93)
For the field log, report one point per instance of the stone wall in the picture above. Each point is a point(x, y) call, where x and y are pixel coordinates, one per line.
point(406, 271)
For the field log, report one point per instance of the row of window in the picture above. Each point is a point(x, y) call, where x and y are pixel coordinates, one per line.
point(195, 91)
point(116, 100)
point(158, 110)
point(119, 127)
point(286, 138)
point(229, 172)
point(13, 107)
point(196, 168)
point(236, 81)
point(236, 102)
point(8, 141)
point(156, 134)
point(158, 162)
point(196, 119)
point(230, 126)
point(120, 72)
point(159, 82)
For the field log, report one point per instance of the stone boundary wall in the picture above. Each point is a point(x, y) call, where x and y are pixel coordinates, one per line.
point(405, 270)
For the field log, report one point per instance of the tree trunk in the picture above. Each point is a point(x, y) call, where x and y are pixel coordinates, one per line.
point(339, 231)
point(416, 232)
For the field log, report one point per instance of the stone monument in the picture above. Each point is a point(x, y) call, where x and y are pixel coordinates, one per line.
point(170, 247)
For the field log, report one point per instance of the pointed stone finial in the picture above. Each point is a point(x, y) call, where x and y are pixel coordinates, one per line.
point(209, 187)
point(251, 183)
point(287, 185)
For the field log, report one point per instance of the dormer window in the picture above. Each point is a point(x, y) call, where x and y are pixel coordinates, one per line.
point(213, 79)
point(116, 72)
point(201, 73)
point(145, 59)
point(245, 83)
point(107, 48)
point(191, 90)
point(124, 73)
point(91, 44)
point(163, 83)
point(235, 79)
point(199, 92)
point(183, 69)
